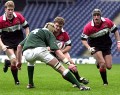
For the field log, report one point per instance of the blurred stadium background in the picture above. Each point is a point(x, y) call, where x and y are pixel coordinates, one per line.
point(76, 13)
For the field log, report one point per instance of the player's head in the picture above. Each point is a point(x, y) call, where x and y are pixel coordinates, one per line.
point(59, 23)
point(50, 26)
point(96, 16)
point(9, 3)
point(9, 9)
point(96, 12)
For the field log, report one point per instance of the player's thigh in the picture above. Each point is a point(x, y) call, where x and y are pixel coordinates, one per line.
point(99, 57)
point(11, 54)
point(108, 61)
point(39, 53)
point(29, 55)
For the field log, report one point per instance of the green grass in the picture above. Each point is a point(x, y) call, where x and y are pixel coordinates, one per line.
point(49, 82)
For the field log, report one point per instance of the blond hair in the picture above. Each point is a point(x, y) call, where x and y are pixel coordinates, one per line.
point(50, 26)
point(59, 20)
point(9, 3)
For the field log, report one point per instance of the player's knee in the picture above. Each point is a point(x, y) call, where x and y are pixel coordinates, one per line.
point(30, 63)
point(102, 64)
point(109, 67)
point(12, 57)
point(13, 62)
point(13, 67)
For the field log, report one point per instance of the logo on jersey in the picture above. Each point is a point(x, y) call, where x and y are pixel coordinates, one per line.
point(61, 38)
point(105, 25)
point(17, 21)
point(100, 33)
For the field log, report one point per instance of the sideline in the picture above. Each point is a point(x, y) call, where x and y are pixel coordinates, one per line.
point(85, 60)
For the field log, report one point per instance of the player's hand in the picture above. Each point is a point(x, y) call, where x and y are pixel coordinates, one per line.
point(19, 65)
point(48, 48)
point(72, 67)
point(91, 49)
point(118, 45)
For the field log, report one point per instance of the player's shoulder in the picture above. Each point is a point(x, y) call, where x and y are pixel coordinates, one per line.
point(18, 14)
point(106, 19)
point(63, 31)
point(1, 18)
point(88, 25)
point(1, 22)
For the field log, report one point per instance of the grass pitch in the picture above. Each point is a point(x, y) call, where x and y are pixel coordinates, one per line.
point(49, 82)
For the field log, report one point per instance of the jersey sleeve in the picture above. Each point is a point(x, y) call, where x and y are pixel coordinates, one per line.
point(112, 26)
point(67, 40)
point(84, 35)
point(23, 22)
point(0, 28)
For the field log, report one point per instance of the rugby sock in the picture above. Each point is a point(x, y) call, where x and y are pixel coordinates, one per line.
point(69, 77)
point(103, 74)
point(14, 71)
point(30, 74)
point(76, 74)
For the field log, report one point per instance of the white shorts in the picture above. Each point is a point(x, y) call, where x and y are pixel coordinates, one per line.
point(39, 53)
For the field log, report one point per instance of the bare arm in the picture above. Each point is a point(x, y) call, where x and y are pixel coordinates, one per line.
point(85, 43)
point(90, 49)
point(65, 60)
point(19, 53)
point(66, 49)
point(60, 54)
point(19, 56)
point(117, 37)
point(27, 31)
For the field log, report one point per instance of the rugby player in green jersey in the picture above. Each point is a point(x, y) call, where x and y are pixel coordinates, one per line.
point(34, 48)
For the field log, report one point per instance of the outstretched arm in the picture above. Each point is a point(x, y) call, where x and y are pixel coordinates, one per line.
point(19, 56)
point(117, 37)
point(27, 31)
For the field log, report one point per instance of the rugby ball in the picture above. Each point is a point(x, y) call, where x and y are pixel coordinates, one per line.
point(61, 45)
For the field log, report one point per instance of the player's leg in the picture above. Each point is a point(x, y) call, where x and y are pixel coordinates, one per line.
point(100, 59)
point(30, 56)
point(54, 63)
point(42, 54)
point(97, 65)
point(7, 64)
point(108, 63)
point(76, 74)
point(30, 69)
point(11, 54)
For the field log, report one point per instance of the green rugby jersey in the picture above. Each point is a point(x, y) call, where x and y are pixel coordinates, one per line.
point(40, 38)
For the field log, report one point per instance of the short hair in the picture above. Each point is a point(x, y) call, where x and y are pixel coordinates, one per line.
point(50, 26)
point(59, 20)
point(9, 3)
